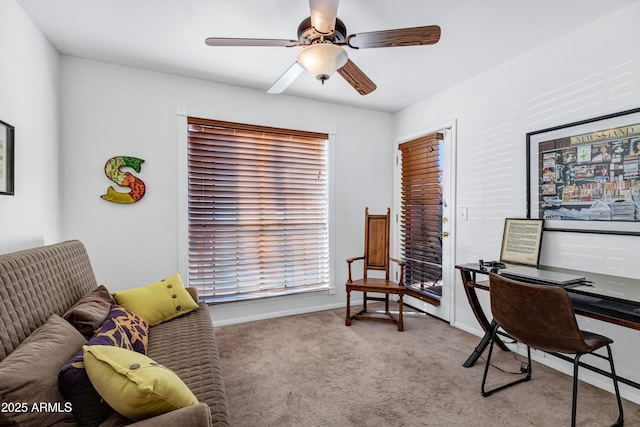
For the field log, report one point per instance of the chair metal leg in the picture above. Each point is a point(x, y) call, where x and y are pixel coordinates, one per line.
point(574, 398)
point(486, 393)
point(488, 363)
point(620, 421)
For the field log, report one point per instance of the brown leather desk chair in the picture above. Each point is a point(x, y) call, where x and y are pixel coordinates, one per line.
point(542, 317)
point(376, 257)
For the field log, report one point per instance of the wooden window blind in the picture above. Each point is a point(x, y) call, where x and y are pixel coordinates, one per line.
point(258, 210)
point(421, 213)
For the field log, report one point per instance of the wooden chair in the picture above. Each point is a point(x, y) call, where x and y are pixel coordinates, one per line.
point(376, 257)
point(542, 317)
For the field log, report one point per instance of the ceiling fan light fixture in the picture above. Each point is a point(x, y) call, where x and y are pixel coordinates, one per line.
point(322, 60)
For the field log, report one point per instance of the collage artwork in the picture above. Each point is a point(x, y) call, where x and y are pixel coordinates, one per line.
point(593, 176)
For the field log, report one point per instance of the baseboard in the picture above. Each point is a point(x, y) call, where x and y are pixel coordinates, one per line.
point(463, 326)
point(274, 314)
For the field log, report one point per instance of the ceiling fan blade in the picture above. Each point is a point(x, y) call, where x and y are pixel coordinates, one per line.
point(224, 41)
point(356, 78)
point(323, 15)
point(415, 36)
point(286, 79)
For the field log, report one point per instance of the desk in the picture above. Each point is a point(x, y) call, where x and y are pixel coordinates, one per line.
point(608, 298)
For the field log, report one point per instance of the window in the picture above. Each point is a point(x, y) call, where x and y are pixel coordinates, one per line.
point(421, 213)
point(257, 210)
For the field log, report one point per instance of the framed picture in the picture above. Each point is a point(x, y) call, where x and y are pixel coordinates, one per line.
point(6, 158)
point(585, 176)
point(521, 241)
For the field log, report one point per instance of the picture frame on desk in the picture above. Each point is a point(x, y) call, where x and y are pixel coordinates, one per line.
point(521, 241)
point(585, 176)
point(6, 158)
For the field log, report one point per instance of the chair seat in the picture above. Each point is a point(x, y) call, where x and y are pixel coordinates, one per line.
point(376, 285)
point(595, 341)
point(589, 342)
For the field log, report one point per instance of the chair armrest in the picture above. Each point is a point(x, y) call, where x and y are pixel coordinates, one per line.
point(398, 261)
point(349, 261)
point(401, 264)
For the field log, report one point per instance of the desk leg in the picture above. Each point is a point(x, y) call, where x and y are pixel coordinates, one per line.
point(482, 345)
point(482, 319)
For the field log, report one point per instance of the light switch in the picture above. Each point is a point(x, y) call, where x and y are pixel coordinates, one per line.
point(463, 214)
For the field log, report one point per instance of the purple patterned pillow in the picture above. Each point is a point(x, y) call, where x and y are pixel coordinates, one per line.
point(123, 329)
point(135, 328)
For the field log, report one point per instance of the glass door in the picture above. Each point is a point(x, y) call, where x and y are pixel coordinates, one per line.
point(424, 221)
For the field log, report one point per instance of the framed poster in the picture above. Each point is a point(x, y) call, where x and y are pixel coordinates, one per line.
point(521, 241)
point(6, 158)
point(585, 176)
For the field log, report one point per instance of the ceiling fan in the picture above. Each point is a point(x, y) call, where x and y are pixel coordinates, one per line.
point(322, 36)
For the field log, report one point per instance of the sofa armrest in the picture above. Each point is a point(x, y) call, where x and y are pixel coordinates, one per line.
point(194, 293)
point(193, 416)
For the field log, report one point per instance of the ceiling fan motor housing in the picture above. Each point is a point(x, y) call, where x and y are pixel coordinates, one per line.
point(309, 35)
point(322, 52)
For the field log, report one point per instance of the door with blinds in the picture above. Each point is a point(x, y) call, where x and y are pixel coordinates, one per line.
point(423, 221)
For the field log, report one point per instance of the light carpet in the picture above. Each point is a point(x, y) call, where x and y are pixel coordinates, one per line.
point(312, 370)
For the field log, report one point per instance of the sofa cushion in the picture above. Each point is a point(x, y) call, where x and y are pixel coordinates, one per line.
point(158, 302)
point(29, 375)
point(123, 329)
point(172, 344)
point(133, 384)
point(90, 312)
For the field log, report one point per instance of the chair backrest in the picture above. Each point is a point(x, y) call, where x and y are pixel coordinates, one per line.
point(540, 316)
point(376, 242)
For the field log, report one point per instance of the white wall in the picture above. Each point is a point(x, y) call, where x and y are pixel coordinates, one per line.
point(29, 74)
point(110, 110)
point(591, 72)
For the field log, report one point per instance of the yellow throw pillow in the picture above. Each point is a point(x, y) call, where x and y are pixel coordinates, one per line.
point(133, 384)
point(158, 302)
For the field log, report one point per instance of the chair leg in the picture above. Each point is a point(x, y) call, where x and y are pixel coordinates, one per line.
point(620, 420)
point(488, 363)
point(574, 397)
point(400, 319)
point(347, 321)
point(486, 393)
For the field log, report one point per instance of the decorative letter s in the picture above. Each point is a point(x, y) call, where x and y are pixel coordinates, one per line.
point(124, 179)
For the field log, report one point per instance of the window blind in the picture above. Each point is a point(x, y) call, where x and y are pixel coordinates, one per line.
point(258, 210)
point(421, 213)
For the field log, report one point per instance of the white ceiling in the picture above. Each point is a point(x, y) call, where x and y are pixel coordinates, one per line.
point(168, 36)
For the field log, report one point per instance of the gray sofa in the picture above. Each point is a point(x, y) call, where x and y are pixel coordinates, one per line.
point(39, 283)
